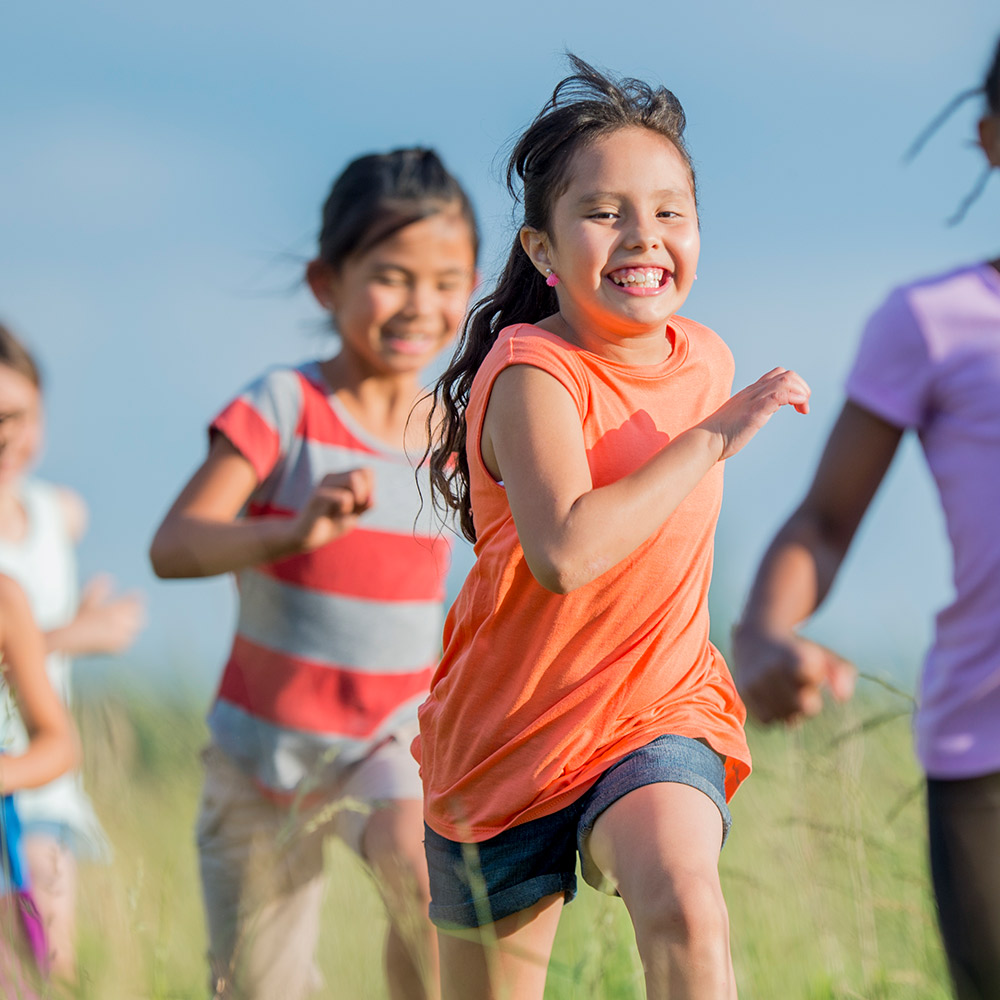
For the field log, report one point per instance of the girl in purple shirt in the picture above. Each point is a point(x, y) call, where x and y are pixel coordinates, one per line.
point(929, 360)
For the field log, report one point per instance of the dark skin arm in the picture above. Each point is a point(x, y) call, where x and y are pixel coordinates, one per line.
point(781, 675)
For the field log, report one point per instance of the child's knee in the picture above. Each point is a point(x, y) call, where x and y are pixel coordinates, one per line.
point(689, 912)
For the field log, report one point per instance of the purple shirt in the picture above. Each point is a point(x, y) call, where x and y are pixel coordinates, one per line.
point(930, 360)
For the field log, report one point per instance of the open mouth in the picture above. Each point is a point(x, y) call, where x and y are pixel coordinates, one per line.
point(640, 278)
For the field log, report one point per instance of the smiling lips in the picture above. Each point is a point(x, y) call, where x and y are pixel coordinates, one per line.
point(410, 343)
point(640, 280)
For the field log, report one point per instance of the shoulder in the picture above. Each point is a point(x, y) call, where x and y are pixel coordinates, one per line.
point(703, 358)
point(525, 340)
point(74, 512)
point(57, 504)
point(703, 341)
point(280, 381)
point(955, 279)
point(903, 346)
point(273, 398)
point(524, 344)
point(920, 303)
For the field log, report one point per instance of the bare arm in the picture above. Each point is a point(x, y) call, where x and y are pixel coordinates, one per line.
point(203, 535)
point(52, 743)
point(781, 675)
point(571, 532)
point(104, 622)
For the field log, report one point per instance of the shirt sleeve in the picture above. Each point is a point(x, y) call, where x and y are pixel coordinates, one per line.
point(261, 422)
point(892, 371)
point(534, 349)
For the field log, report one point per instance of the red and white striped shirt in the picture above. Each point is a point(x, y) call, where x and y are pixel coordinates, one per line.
point(334, 649)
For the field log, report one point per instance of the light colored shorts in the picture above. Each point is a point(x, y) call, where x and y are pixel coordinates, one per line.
point(262, 867)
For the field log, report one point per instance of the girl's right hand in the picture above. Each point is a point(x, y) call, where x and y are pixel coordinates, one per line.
point(334, 508)
point(740, 417)
point(782, 678)
point(204, 532)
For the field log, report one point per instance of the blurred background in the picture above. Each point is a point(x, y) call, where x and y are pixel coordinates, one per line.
point(163, 166)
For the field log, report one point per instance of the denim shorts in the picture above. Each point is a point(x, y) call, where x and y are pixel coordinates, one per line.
point(477, 884)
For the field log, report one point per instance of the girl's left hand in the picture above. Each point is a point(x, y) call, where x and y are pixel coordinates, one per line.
point(104, 623)
point(741, 416)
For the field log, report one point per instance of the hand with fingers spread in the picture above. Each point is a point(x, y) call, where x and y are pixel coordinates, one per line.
point(334, 508)
point(740, 417)
point(782, 677)
point(110, 622)
point(104, 622)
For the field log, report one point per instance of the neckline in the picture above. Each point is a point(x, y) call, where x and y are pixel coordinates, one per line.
point(681, 344)
point(313, 372)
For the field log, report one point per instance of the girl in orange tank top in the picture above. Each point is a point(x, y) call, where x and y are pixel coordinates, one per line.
point(579, 704)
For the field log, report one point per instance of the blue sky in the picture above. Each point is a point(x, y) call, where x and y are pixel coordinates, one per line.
point(163, 168)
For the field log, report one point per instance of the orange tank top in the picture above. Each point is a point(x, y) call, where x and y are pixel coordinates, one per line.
point(537, 694)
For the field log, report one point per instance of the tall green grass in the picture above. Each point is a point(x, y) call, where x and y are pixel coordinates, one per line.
point(824, 873)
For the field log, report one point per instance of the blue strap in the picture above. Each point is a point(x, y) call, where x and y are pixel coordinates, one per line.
point(13, 871)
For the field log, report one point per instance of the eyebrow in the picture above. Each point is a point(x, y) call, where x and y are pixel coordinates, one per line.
point(592, 196)
point(388, 266)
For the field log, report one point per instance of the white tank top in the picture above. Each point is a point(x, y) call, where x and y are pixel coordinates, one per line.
point(43, 562)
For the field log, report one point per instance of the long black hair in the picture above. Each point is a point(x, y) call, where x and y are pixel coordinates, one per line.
point(990, 89)
point(583, 107)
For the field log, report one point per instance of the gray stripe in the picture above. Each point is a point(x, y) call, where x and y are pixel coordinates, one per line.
point(277, 398)
point(397, 501)
point(282, 758)
point(371, 636)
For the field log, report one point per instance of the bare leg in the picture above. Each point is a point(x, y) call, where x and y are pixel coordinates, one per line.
point(507, 960)
point(262, 894)
point(52, 870)
point(393, 846)
point(660, 846)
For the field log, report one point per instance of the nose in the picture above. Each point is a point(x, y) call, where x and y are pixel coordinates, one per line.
point(641, 235)
point(421, 300)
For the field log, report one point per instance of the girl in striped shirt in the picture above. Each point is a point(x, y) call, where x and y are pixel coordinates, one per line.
point(307, 495)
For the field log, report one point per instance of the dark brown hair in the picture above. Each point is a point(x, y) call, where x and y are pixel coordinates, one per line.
point(14, 355)
point(381, 193)
point(583, 107)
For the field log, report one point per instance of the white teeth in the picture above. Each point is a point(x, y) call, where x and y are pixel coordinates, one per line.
point(638, 277)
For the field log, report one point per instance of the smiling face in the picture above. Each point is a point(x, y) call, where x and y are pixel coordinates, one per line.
point(20, 424)
point(623, 239)
point(399, 303)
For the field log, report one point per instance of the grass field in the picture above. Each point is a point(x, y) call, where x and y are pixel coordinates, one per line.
point(825, 872)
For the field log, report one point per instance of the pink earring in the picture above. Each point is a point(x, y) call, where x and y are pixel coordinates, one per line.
point(553, 279)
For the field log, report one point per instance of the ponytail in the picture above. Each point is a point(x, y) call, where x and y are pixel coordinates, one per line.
point(521, 296)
